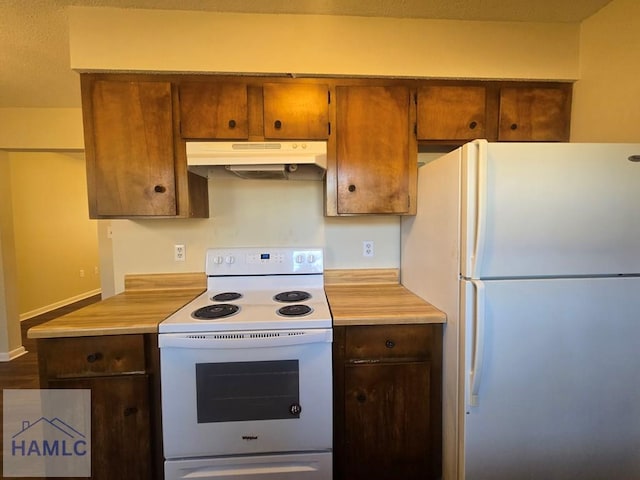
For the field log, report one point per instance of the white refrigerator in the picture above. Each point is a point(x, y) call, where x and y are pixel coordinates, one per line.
point(533, 253)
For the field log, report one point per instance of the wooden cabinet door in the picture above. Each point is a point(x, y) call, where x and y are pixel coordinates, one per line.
point(373, 149)
point(132, 171)
point(212, 110)
point(451, 112)
point(540, 114)
point(296, 111)
point(387, 428)
point(388, 402)
point(120, 426)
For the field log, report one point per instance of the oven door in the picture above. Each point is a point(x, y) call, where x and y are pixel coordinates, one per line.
point(246, 392)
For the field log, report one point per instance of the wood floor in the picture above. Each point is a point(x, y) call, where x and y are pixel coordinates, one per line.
point(22, 372)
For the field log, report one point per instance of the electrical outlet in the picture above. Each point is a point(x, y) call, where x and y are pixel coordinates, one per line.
point(179, 253)
point(81, 273)
point(367, 248)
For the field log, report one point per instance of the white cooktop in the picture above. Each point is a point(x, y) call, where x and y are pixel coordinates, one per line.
point(258, 274)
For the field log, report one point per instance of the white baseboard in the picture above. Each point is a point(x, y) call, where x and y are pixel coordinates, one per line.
point(15, 353)
point(62, 303)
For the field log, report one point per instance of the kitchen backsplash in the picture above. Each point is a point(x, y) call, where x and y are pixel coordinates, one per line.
point(253, 213)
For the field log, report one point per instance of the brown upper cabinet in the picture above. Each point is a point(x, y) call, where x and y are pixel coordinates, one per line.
point(296, 111)
point(376, 151)
point(539, 114)
point(451, 112)
point(214, 110)
point(130, 157)
point(136, 126)
point(135, 167)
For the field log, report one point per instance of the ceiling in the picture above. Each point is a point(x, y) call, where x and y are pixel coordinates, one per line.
point(34, 39)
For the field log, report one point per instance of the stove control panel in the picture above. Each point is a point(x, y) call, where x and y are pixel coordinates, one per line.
point(264, 261)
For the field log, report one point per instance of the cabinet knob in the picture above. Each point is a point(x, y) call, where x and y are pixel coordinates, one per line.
point(232, 124)
point(514, 126)
point(352, 188)
point(389, 344)
point(473, 125)
point(361, 398)
point(159, 189)
point(130, 411)
point(277, 124)
point(93, 357)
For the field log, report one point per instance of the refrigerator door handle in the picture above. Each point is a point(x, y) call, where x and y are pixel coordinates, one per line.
point(481, 206)
point(475, 374)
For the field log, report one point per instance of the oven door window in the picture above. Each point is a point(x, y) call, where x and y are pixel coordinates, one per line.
point(243, 391)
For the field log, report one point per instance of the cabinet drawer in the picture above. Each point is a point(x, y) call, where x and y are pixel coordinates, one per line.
point(91, 356)
point(388, 342)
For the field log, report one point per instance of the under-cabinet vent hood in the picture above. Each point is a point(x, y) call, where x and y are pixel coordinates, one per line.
point(299, 160)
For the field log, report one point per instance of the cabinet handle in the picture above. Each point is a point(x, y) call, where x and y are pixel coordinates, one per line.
point(93, 357)
point(514, 126)
point(361, 398)
point(159, 189)
point(473, 125)
point(277, 124)
point(232, 124)
point(352, 188)
point(130, 411)
point(389, 344)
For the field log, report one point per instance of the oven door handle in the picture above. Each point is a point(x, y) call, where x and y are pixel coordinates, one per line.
point(257, 339)
point(228, 471)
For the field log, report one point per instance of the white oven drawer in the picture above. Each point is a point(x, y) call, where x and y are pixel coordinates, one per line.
point(246, 393)
point(309, 466)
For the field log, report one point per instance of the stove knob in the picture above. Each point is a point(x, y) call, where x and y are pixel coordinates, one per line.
point(311, 258)
point(230, 259)
point(299, 258)
point(295, 409)
point(217, 260)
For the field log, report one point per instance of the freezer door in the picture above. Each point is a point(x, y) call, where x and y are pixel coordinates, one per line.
point(551, 379)
point(549, 209)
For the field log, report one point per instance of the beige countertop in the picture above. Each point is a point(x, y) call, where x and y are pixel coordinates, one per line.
point(356, 297)
point(146, 301)
point(374, 297)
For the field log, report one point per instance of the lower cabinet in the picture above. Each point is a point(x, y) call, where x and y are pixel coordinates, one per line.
point(121, 372)
point(388, 402)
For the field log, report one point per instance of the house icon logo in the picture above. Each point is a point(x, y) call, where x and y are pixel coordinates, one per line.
point(46, 433)
point(53, 438)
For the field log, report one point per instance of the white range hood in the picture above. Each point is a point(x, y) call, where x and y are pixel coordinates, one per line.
point(298, 160)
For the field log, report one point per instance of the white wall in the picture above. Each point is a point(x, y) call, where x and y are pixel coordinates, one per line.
point(605, 101)
point(30, 195)
point(10, 335)
point(47, 129)
point(56, 245)
point(247, 213)
point(158, 40)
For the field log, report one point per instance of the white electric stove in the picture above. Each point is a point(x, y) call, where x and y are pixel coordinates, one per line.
point(246, 370)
